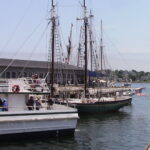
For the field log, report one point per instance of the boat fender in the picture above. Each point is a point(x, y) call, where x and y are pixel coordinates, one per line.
point(16, 89)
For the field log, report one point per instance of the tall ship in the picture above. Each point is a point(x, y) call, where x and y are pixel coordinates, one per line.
point(86, 99)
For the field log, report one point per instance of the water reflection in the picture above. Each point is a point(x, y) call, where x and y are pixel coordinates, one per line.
point(100, 129)
point(42, 143)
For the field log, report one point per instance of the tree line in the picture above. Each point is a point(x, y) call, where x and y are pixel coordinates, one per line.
point(130, 76)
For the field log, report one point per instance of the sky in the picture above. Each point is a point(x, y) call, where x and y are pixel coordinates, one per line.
point(126, 24)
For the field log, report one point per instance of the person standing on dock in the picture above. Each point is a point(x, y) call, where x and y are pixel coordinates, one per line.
point(5, 105)
point(30, 103)
point(49, 103)
point(37, 104)
point(1, 104)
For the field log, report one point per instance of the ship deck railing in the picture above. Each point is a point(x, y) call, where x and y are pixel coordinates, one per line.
point(54, 107)
point(35, 84)
point(25, 84)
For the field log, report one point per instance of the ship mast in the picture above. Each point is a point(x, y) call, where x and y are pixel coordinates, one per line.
point(91, 43)
point(80, 62)
point(101, 48)
point(92, 55)
point(85, 24)
point(85, 28)
point(69, 46)
point(53, 19)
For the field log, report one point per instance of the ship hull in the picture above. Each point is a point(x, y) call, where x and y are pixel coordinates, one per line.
point(101, 107)
point(56, 124)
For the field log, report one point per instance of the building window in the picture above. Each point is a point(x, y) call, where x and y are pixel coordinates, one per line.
point(68, 76)
point(7, 74)
point(3, 75)
point(13, 74)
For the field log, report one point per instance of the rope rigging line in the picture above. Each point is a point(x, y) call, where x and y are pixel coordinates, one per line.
point(34, 48)
point(62, 43)
point(21, 46)
point(123, 59)
point(38, 42)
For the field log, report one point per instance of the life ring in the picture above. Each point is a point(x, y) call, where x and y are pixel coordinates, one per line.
point(16, 89)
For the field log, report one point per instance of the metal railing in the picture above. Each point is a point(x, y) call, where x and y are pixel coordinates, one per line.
point(38, 85)
point(26, 108)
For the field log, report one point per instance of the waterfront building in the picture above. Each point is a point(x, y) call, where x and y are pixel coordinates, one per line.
point(64, 73)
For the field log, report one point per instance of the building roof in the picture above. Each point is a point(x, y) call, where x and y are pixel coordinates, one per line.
point(34, 64)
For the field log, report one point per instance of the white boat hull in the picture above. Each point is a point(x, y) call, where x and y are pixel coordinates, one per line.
point(18, 116)
point(37, 123)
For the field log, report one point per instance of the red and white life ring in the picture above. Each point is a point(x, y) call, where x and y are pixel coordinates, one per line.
point(16, 88)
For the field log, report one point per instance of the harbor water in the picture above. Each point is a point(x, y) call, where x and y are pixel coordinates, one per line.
point(127, 129)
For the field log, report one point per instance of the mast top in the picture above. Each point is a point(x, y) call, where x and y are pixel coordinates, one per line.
point(101, 30)
point(52, 3)
point(84, 3)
